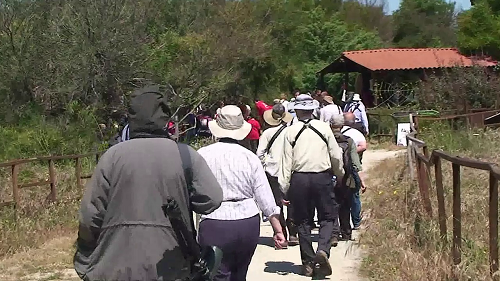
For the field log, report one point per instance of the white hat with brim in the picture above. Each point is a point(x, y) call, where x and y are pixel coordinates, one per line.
point(277, 115)
point(304, 102)
point(356, 97)
point(230, 124)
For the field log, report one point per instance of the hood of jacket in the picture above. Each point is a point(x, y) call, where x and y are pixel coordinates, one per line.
point(148, 113)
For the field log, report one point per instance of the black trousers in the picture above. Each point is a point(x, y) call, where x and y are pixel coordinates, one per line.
point(344, 197)
point(278, 198)
point(309, 191)
point(237, 239)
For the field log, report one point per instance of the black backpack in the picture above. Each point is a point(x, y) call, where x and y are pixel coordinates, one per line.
point(344, 143)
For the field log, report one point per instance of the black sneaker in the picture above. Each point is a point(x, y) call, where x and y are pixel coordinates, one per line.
point(335, 241)
point(324, 268)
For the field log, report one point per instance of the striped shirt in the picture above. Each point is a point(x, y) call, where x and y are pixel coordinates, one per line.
point(243, 181)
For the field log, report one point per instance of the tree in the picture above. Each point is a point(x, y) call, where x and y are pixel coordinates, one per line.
point(424, 23)
point(479, 30)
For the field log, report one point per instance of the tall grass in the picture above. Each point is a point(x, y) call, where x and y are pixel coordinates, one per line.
point(403, 243)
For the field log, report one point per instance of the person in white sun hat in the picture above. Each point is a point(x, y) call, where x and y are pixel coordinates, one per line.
point(235, 226)
point(357, 107)
point(311, 158)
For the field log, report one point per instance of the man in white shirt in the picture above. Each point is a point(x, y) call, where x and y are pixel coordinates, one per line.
point(329, 109)
point(357, 107)
point(360, 142)
point(269, 151)
point(355, 135)
point(311, 157)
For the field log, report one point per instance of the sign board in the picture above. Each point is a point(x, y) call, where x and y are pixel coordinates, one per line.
point(403, 130)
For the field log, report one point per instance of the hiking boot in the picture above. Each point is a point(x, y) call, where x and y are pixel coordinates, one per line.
point(324, 267)
point(293, 241)
point(346, 238)
point(335, 241)
point(308, 269)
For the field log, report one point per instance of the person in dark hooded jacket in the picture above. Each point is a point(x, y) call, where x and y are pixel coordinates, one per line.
point(123, 233)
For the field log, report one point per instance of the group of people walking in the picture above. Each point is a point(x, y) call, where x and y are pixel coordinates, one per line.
point(307, 159)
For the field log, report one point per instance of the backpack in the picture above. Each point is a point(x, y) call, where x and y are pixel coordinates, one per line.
point(349, 171)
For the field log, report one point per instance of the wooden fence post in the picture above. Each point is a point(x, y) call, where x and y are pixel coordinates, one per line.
point(440, 197)
point(493, 221)
point(52, 178)
point(457, 216)
point(78, 173)
point(15, 188)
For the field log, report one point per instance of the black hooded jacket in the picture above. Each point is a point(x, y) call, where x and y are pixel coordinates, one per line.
point(123, 233)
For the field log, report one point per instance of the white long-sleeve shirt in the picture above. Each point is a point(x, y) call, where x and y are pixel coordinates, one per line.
point(326, 113)
point(276, 150)
point(244, 183)
point(310, 154)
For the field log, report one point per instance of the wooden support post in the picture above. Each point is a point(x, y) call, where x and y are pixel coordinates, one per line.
point(424, 189)
point(15, 187)
point(52, 179)
point(457, 216)
point(78, 173)
point(440, 197)
point(493, 221)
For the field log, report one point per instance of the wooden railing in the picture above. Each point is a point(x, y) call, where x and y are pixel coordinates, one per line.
point(52, 180)
point(418, 153)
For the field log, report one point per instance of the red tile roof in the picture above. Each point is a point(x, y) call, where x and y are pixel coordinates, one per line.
point(395, 59)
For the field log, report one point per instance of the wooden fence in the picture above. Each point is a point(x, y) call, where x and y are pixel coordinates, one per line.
point(52, 180)
point(418, 153)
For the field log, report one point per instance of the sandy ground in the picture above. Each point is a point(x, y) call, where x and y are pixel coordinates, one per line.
point(53, 261)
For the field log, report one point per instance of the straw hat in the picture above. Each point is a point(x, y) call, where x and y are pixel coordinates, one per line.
point(276, 115)
point(328, 99)
point(229, 123)
point(304, 102)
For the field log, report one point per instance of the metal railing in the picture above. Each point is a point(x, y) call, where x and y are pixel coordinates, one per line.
point(418, 153)
point(14, 166)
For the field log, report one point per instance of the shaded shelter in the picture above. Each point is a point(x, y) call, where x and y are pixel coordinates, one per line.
point(395, 65)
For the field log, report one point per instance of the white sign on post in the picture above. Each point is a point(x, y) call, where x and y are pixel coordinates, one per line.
point(403, 130)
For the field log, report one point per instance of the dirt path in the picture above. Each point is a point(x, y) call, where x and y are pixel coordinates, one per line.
point(271, 264)
point(53, 261)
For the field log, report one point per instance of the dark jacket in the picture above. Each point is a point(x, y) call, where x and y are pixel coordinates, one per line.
point(123, 233)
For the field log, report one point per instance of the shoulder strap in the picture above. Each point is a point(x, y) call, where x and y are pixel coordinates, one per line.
point(186, 240)
point(275, 136)
point(356, 107)
point(186, 164)
point(319, 134)
point(347, 129)
point(300, 132)
point(307, 125)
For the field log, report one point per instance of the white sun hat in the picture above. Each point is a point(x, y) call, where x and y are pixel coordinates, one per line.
point(304, 102)
point(229, 123)
point(356, 97)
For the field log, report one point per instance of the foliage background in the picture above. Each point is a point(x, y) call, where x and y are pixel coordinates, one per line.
point(66, 66)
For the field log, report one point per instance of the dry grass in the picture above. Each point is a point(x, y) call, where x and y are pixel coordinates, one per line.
point(36, 221)
point(404, 244)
